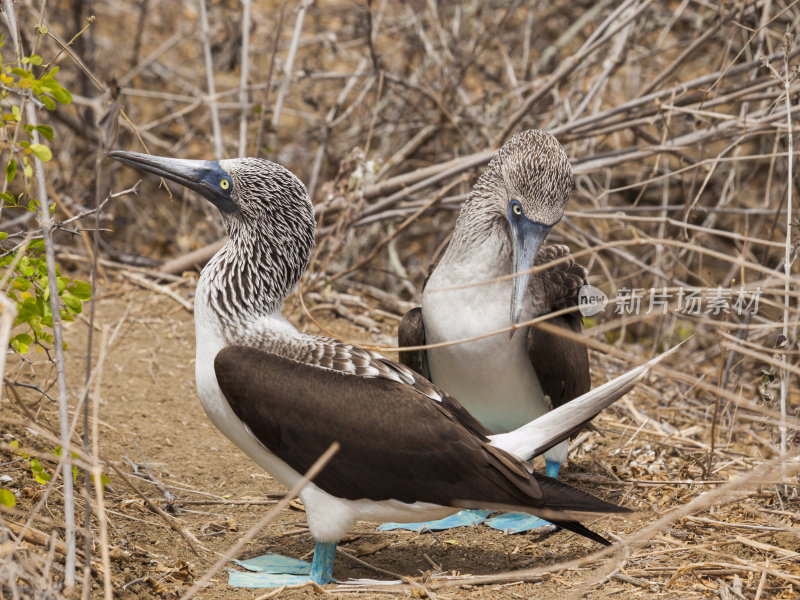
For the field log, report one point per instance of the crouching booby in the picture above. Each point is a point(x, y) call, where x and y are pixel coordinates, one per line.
point(409, 451)
point(483, 284)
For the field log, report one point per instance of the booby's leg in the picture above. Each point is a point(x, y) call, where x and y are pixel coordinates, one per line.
point(519, 522)
point(276, 570)
point(464, 518)
point(322, 567)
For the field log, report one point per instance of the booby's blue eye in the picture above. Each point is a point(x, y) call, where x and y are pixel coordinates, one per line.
point(516, 208)
point(225, 183)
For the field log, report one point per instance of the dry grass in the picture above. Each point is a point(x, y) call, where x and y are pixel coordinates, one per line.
point(678, 136)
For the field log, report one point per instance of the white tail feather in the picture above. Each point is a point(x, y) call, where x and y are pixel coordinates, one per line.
point(548, 430)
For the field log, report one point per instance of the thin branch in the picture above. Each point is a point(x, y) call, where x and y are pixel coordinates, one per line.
point(289, 64)
point(205, 34)
point(245, 69)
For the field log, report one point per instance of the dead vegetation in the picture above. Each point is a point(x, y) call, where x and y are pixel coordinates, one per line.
point(676, 117)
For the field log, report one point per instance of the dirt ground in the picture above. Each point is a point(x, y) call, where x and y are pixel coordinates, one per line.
point(153, 428)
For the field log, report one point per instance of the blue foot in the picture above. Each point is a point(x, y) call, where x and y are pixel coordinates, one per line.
point(275, 570)
point(465, 518)
point(516, 522)
point(520, 522)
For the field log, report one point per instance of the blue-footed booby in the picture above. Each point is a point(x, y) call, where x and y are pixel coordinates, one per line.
point(409, 451)
point(504, 380)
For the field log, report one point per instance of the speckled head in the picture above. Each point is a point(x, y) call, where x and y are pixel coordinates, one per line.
point(535, 171)
point(259, 188)
point(270, 223)
point(524, 191)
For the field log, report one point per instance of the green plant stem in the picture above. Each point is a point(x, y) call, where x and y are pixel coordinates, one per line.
point(46, 224)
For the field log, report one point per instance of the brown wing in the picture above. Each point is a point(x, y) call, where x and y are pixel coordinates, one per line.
point(561, 364)
point(331, 354)
point(411, 332)
point(395, 442)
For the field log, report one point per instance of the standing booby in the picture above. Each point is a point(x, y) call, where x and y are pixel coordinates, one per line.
point(504, 381)
point(409, 451)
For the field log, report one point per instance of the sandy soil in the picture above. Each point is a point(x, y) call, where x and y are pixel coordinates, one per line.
point(153, 428)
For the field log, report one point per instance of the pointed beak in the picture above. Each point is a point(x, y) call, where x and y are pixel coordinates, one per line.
point(526, 239)
point(201, 176)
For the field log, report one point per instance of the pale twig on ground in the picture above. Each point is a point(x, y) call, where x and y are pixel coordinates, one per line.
point(192, 259)
point(155, 287)
point(97, 471)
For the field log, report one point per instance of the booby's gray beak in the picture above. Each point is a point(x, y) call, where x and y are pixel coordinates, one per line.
point(526, 239)
point(202, 176)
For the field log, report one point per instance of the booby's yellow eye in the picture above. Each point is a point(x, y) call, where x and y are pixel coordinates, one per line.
point(224, 183)
point(517, 208)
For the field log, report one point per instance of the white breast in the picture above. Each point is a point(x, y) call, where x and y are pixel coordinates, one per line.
point(492, 377)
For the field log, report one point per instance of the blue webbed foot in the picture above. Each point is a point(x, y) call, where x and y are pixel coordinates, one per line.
point(520, 522)
point(517, 522)
point(464, 518)
point(275, 570)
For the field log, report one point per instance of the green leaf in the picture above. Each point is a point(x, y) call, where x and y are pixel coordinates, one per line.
point(21, 283)
point(11, 170)
point(42, 152)
point(35, 60)
point(39, 473)
point(46, 131)
point(24, 337)
point(74, 305)
point(7, 498)
point(3, 235)
point(21, 343)
point(61, 95)
point(29, 312)
point(48, 102)
point(8, 198)
point(80, 289)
